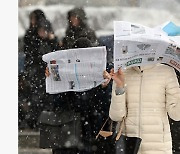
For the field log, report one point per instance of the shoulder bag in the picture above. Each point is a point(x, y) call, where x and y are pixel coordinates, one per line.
point(121, 144)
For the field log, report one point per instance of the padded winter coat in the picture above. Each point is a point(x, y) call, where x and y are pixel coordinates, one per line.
point(151, 94)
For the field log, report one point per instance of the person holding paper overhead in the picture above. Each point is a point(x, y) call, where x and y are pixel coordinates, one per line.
point(83, 102)
point(146, 95)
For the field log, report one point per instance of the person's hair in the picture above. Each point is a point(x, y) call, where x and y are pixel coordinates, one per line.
point(38, 14)
point(79, 13)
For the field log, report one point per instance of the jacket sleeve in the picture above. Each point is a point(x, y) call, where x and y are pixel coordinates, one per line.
point(172, 95)
point(118, 105)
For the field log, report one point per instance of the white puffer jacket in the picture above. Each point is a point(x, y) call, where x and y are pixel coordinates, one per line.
point(151, 94)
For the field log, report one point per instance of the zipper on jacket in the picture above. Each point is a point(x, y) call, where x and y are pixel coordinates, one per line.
point(163, 128)
point(140, 90)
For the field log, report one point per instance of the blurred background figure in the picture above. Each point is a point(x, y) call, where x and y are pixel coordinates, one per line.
point(38, 40)
point(78, 27)
point(31, 36)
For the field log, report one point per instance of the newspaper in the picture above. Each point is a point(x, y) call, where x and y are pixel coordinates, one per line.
point(75, 69)
point(138, 45)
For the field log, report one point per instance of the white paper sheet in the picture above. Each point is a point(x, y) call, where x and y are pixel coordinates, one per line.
point(75, 69)
point(138, 45)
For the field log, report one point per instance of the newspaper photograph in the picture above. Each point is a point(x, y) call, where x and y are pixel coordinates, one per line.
point(75, 69)
point(138, 45)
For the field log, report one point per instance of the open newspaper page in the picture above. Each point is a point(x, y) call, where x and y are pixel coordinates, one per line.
point(138, 45)
point(171, 56)
point(75, 69)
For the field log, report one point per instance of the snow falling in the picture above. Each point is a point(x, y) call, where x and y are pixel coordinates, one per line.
point(37, 129)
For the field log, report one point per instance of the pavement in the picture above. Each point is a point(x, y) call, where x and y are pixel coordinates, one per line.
point(28, 142)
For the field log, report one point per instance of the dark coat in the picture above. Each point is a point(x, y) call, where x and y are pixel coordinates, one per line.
point(34, 49)
point(34, 65)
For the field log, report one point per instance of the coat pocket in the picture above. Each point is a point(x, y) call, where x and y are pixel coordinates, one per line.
point(152, 129)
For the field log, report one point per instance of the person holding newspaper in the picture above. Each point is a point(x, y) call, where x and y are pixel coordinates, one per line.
point(83, 102)
point(146, 96)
